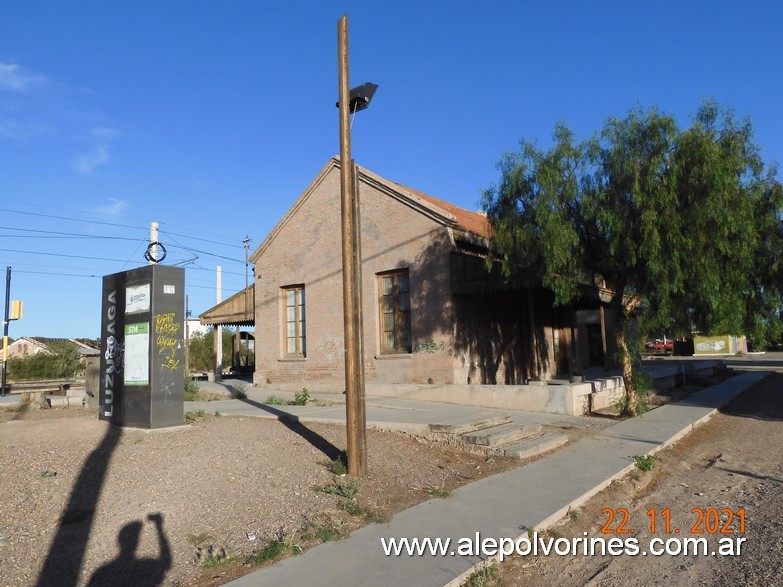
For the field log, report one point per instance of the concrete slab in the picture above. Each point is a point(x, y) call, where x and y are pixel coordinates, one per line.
point(533, 447)
point(498, 435)
point(465, 424)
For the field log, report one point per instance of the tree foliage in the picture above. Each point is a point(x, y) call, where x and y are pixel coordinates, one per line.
point(202, 350)
point(684, 222)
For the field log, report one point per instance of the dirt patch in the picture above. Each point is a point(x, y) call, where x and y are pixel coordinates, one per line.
point(84, 502)
point(734, 462)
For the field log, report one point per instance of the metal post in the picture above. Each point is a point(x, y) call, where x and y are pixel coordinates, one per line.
point(238, 346)
point(354, 362)
point(5, 327)
point(246, 242)
point(218, 334)
point(154, 236)
point(187, 338)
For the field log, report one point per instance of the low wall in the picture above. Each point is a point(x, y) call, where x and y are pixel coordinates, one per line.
point(555, 398)
point(551, 397)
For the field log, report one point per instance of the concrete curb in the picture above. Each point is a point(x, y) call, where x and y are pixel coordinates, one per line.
point(555, 517)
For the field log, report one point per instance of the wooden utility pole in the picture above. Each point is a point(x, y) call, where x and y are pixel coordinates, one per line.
point(355, 417)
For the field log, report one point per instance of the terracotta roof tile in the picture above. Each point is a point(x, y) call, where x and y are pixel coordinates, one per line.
point(474, 222)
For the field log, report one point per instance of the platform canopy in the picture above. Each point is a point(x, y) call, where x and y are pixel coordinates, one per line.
point(238, 310)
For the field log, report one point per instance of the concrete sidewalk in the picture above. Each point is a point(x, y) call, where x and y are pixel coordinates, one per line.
point(503, 506)
point(384, 413)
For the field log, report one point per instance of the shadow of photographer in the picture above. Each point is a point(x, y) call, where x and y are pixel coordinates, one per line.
point(126, 568)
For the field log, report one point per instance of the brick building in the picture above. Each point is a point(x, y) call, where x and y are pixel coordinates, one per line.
point(28, 346)
point(432, 312)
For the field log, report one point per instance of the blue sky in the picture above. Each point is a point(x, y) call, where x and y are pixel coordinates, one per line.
point(212, 117)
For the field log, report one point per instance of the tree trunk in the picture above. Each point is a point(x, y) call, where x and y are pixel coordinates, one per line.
point(631, 399)
point(623, 306)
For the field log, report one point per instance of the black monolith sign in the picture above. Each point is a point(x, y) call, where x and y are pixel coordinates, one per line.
point(142, 355)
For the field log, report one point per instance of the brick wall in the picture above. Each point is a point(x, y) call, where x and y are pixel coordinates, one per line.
point(307, 250)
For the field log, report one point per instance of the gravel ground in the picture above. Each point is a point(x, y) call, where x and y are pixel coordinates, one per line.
point(86, 504)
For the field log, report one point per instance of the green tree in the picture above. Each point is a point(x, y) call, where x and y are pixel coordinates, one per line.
point(669, 220)
point(202, 350)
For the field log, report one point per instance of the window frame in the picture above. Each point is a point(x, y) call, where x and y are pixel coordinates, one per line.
point(299, 321)
point(401, 316)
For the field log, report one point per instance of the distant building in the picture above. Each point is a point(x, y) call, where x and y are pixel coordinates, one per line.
point(25, 347)
point(28, 346)
point(194, 326)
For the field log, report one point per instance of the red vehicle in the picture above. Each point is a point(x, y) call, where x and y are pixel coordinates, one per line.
point(662, 346)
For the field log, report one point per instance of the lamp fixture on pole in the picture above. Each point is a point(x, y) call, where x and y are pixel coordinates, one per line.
point(359, 97)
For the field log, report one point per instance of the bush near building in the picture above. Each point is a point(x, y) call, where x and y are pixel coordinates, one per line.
point(63, 361)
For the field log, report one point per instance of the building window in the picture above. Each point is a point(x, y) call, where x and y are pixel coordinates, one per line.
point(395, 307)
point(295, 339)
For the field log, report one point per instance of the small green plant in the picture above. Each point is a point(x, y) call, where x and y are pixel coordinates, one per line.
point(192, 390)
point(439, 491)
point(274, 549)
point(373, 515)
point(301, 398)
point(217, 414)
point(531, 532)
point(325, 532)
point(378, 516)
point(192, 417)
point(353, 507)
point(486, 576)
point(275, 400)
point(47, 473)
point(344, 486)
point(271, 551)
point(337, 466)
point(554, 534)
point(239, 391)
point(573, 515)
point(644, 463)
point(635, 475)
point(290, 543)
point(328, 533)
point(211, 558)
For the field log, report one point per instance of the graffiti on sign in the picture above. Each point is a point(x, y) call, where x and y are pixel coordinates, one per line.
point(166, 340)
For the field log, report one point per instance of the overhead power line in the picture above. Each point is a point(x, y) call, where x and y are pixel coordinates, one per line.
point(63, 255)
point(116, 225)
point(55, 217)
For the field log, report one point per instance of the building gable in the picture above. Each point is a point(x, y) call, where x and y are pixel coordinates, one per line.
point(441, 212)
